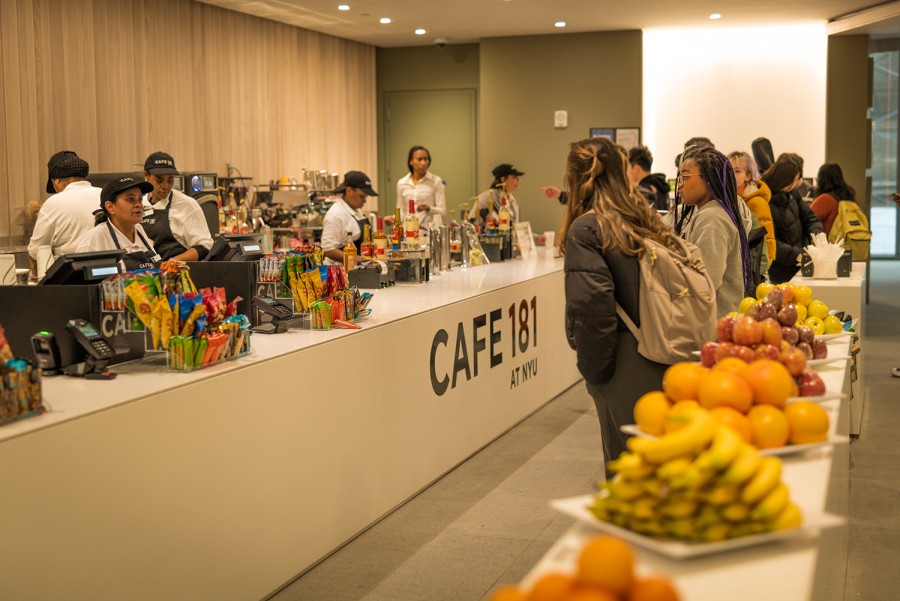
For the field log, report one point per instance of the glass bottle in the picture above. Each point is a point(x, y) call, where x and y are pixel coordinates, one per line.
point(503, 216)
point(412, 227)
point(396, 231)
point(367, 249)
point(349, 253)
point(380, 241)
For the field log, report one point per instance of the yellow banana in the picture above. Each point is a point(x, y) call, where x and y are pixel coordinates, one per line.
point(672, 468)
point(707, 517)
point(763, 481)
point(683, 529)
point(726, 444)
point(654, 487)
point(648, 527)
point(748, 528)
point(689, 440)
point(743, 467)
point(716, 532)
point(644, 508)
point(631, 466)
point(623, 490)
point(772, 504)
point(679, 510)
point(735, 513)
point(692, 478)
point(722, 494)
point(790, 517)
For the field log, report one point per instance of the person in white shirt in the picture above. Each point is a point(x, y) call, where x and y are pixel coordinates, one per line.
point(119, 224)
point(421, 186)
point(173, 220)
point(506, 177)
point(344, 218)
point(67, 215)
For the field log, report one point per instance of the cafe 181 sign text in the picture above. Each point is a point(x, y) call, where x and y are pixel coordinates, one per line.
point(484, 343)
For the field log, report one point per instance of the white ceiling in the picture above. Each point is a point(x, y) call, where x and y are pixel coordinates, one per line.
point(463, 21)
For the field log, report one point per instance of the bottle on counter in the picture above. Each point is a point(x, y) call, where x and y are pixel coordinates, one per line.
point(503, 216)
point(396, 231)
point(231, 225)
point(243, 221)
point(349, 253)
point(222, 219)
point(367, 249)
point(490, 222)
point(380, 241)
point(412, 226)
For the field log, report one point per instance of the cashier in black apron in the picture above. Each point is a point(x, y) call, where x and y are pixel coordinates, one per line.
point(174, 220)
point(119, 224)
point(344, 218)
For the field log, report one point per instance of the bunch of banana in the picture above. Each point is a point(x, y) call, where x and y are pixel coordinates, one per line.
point(702, 482)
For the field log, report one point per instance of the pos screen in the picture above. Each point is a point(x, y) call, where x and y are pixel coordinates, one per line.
point(83, 268)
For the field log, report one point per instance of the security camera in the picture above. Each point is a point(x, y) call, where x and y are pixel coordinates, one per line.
point(440, 42)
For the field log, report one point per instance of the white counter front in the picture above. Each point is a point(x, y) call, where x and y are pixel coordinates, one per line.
point(227, 482)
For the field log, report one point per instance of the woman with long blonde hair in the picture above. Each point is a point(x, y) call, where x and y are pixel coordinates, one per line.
point(601, 240)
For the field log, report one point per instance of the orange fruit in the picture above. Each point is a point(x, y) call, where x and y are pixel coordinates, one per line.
point(681, 380)
point(732, 364)
point(808, 422)
point(770, 381)
point(607, 562)
point(510, 592)
point(650, 412)
point(588, 593)
point(551, 586)
point(770, 426)
point(735, 420)
point(723, 388)
point(679, 408)
point(653, 588)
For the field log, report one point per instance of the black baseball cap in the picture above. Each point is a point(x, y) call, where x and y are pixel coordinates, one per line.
point(505, 170)
point(356, 179)
point(113, 187)
point(65, 163)
point(160, 163)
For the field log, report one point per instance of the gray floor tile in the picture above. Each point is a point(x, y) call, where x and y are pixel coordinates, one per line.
point(414, 524)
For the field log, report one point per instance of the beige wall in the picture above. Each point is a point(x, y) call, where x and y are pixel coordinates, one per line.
point(596, 77)
point(521, 81)
point(124, 78)
point(847, 127)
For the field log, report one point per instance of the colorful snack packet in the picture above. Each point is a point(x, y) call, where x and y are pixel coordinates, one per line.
point(188, 328)
point(200, 346)
point(142, 307)
point(156, 320)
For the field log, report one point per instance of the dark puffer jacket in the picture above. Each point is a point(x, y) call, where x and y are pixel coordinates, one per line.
point(595, 281)
point(656, 188)
point(795, 223)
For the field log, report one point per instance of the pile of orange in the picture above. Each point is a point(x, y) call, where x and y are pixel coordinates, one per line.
point(750, 398)
point(604, 572)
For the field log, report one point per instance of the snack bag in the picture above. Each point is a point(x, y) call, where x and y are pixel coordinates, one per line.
point(142, 307)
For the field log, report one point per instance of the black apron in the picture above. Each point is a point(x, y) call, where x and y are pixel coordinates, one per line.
point(135, 260)
point(157, 226)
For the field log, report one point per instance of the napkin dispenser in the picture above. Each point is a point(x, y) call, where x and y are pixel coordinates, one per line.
point(844, 265)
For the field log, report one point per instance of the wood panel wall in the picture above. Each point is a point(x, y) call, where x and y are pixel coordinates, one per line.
point(115, 80)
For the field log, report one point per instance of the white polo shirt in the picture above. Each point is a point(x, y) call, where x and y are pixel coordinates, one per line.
point(98, 238)
point(64, 218)
point(428, 190)
point(339, 220)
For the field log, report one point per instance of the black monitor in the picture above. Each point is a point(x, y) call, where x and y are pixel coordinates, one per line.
point(236, 247)
point(83, 268)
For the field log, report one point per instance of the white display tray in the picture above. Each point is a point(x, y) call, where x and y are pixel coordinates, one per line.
point(827, 360)
point(813, 521)
point(830, 395)
point(791, 449)
point(827, 337)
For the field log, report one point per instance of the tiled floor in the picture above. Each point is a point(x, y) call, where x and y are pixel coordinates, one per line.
point(487, 523)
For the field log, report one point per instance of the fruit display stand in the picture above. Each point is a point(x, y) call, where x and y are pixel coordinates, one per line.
point(227, 482)
point(799, 568)
point(847, 295)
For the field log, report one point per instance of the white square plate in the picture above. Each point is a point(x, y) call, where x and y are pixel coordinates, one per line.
point(791, 449)
point(813, 521)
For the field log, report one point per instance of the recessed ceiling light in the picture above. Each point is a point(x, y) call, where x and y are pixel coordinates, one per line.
point(420, 31)
point(343, 7)
point(384, 20)
point(559, 24)
point(715, 16)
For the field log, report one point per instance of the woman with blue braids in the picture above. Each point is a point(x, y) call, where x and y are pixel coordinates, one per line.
point(707, 214)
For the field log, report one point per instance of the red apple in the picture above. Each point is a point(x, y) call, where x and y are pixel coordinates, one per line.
point(724, 329)
point(708, 354)
point(790, 335)
point(725, 349)
point(745, 353)
point(806, 334)
point(787, 291)
point(819, 349)
point(746, 331)
point(794, 360)
point(810, 383)
point(775, 297)
point(771, 330)
point(788, 315)
point(766, 310)
point(767, 351)
point(807, 349)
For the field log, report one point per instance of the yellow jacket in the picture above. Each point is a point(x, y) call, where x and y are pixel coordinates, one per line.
point(757, 199)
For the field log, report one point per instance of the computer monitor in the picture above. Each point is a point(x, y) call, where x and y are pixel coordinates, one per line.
point(236, 247)
point(83, 268)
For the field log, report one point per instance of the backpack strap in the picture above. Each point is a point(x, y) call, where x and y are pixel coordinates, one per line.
point(624, 317)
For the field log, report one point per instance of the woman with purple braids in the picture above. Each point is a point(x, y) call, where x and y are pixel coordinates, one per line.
point(707, 215)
